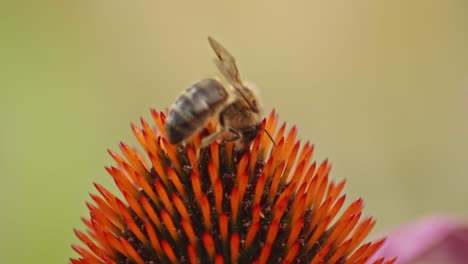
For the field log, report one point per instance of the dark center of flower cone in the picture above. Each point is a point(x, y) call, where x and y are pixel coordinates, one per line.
point(269, 203)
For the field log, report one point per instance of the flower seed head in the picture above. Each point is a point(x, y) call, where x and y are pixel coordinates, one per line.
point(270, 203)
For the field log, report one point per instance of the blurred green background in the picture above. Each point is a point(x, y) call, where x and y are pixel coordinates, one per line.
point(381, 88)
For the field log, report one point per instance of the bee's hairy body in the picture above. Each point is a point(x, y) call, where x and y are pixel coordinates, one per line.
point(194, 108)
point(239, 117)
point(234, 104)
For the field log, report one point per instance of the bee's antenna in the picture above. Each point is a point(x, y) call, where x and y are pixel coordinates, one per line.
point(271, 138)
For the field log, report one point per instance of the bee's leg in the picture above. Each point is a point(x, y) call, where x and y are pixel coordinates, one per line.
point(237, 135)
point(206, 141)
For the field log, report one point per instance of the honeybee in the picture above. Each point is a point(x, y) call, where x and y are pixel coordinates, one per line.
point(234, 104)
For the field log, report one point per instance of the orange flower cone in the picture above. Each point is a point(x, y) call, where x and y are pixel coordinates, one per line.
point(269, 204)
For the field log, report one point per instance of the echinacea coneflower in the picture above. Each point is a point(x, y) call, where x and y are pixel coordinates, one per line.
point(268, 204)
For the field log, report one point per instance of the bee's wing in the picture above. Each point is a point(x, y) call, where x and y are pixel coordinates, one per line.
point(227, 66)
point(226, 62)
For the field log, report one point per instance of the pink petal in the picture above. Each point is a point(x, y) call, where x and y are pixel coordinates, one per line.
point(438, 238)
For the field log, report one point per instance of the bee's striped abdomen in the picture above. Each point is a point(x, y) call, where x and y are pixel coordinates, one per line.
point(194, 108)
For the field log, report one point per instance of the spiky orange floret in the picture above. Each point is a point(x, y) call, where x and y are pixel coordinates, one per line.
point(268, 204)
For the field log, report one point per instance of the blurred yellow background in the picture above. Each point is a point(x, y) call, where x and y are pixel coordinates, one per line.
point(380, 88)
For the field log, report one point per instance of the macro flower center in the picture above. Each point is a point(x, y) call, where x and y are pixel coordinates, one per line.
point(270, 203)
